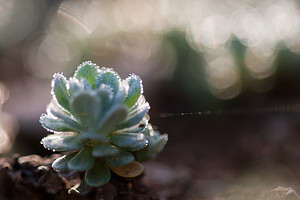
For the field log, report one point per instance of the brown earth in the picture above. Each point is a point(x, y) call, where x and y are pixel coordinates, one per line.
point(32, 178)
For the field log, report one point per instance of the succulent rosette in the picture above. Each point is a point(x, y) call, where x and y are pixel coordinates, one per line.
point(101, 123)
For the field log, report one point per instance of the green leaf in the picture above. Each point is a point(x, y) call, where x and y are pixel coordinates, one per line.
point(129, 141)
point(122, 158)
point(93, 136)
point(105, 150)
point(133, 129)
point(98, 175)
point(88, 71)
point(108, 77)
point(140, 102)
point(59, 90)
point(159, 143)
point(82, 160)
point(113, 117)
point(56, 111)
point(156, 144)
point(135, 117)
point(86, 84)
point(156, 140)
point(135, 90)
point(145, 154)
point(61, 163)
point(86, 106)
point(122, 93)
point(75, 86)
point(105, 94)
point(55, 124)
point(148, 131)
point(62, 142)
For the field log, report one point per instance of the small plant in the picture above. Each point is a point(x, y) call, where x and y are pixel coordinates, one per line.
point(101, 122)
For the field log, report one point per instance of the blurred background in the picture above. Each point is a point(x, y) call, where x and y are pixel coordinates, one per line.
point(238, 59)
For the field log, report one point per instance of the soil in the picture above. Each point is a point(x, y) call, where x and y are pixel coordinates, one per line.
point(32, 178)
point(228, 158)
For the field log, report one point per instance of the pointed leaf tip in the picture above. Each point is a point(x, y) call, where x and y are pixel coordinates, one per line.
point(59, 90)
point(88, 71)
point(135, 90)
point(109, 77)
